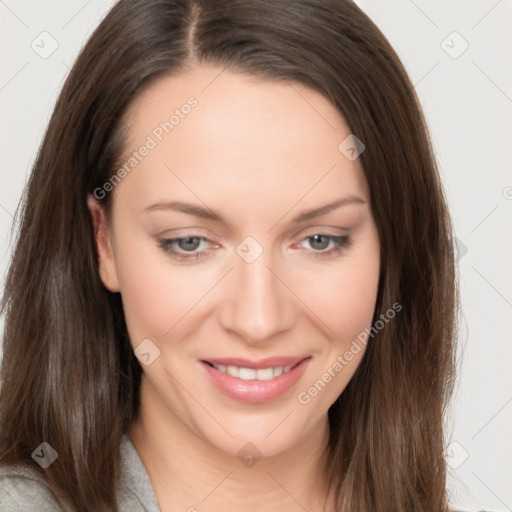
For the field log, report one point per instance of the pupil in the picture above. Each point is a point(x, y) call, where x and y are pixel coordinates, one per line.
point(189, 244)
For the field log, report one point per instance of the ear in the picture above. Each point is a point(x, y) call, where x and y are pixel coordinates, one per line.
point(103, 239)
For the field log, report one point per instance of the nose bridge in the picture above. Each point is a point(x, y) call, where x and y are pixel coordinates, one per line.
point(259, 305)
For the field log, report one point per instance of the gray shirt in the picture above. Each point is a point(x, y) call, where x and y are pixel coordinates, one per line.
point(22, 489)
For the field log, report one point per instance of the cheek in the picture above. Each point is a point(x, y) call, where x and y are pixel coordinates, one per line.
point(343, 298)
point(147, 302)
point(352, 304)
point(155, 295)
point(347, 306)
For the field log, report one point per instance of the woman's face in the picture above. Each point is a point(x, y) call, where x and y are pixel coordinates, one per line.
point(245, 251)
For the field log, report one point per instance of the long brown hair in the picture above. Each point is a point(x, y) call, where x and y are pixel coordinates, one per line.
point(69, 375)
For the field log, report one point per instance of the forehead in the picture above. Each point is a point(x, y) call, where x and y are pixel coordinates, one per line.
point(218, 132)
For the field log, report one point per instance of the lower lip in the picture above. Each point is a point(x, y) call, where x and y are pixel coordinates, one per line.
point(255, 391)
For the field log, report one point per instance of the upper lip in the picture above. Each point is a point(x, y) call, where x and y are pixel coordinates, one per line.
point(256, 364)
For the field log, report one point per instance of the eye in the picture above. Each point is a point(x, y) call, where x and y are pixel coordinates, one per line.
point(184, 248)
point(324, 245)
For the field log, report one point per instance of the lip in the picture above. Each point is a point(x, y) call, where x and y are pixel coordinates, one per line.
point(256, 391)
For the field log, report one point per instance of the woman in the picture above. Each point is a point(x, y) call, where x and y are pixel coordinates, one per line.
point(233, 284)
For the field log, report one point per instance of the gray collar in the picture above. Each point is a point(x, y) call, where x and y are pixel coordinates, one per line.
point(136, 493)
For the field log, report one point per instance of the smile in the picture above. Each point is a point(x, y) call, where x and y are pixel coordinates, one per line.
point(255, 381)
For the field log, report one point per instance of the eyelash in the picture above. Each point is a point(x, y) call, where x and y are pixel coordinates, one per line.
point(166, 244)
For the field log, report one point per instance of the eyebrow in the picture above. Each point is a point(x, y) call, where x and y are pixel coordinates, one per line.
point(206, 213)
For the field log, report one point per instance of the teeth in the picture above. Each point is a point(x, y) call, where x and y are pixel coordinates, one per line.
point(247, 374)
point(251, 373)
point(265, 373)
point(234, 371)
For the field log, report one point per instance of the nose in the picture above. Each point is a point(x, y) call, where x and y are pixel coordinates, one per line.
point(258, 305)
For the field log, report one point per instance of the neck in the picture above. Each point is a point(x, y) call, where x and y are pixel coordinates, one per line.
point(189, 474)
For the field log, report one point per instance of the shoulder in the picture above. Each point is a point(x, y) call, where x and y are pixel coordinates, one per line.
point(22, 489)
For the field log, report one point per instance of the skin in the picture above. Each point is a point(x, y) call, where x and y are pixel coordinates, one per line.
point(258, 153)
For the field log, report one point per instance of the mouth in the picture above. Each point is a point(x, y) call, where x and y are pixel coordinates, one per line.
point(255, 381)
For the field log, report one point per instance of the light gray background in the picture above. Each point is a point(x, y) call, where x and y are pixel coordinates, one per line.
point(467, 100)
